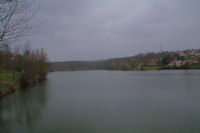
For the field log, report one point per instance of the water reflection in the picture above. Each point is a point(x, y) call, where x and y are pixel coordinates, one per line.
point(22, 109)
point(106, 102)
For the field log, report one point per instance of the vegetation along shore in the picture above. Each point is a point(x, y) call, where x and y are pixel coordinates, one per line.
point(21, 69)
point(19, 65)
point(186, 59)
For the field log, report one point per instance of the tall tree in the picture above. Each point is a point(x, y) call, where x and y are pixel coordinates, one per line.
point(14, 19)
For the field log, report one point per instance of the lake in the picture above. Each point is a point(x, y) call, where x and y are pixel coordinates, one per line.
point(106, 102)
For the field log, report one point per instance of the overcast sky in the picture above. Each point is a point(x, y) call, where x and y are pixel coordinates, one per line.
point(101, 29)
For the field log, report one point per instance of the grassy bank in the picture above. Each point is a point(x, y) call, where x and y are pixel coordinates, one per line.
point(8, 83)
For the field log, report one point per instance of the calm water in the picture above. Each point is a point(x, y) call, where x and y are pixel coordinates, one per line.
point(106, 102)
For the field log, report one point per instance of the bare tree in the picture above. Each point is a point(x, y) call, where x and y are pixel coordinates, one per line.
point(15, 16)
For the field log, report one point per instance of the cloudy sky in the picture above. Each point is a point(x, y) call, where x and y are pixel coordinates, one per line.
point(101, 29)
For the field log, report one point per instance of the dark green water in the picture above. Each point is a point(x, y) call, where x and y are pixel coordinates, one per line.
point(106, 102)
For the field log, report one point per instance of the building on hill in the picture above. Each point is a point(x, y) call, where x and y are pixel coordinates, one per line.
point(181, 63)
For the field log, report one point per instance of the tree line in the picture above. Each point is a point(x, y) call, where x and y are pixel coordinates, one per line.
point(30, 64)
point(147, 61)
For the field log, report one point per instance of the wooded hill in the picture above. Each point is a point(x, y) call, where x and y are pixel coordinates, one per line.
point(148, 61)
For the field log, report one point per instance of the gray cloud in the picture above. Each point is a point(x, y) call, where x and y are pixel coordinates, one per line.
point(88, 29)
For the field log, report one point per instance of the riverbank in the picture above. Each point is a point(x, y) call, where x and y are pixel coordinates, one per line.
point(192, 67)
point(147, 68)
point(9, 83)
point(29, 67)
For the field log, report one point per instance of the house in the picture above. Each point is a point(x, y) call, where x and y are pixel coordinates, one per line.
point(172, 63)
point(180, 63)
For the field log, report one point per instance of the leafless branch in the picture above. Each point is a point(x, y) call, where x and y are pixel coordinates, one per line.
point(15, 16)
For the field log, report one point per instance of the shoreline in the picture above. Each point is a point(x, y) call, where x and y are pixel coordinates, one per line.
point(9, 90)
point(12, 89)
point(16, 86)
point(126, 70)
point(10, 85)
point(118, 70)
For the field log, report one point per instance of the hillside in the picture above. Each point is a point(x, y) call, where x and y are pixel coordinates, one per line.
point(187, 59)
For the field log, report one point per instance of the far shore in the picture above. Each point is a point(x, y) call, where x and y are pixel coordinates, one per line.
point(160, 69)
